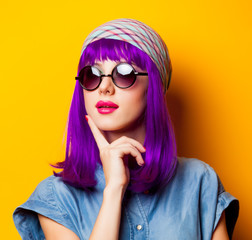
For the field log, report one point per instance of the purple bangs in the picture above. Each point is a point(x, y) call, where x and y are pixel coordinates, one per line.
point(82, 153)
point(115, 50)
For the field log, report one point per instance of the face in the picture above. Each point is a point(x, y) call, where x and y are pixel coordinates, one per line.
point(131, 101)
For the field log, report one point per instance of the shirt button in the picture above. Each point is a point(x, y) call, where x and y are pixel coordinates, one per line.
point(139, 227)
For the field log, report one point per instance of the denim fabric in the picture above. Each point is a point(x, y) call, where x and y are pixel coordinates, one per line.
point(189, 207)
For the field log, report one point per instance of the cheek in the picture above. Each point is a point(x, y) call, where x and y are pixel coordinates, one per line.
point(137, 103)
point(88, 99)
point(138, 96)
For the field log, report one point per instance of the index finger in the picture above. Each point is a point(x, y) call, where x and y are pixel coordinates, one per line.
point(99, 138)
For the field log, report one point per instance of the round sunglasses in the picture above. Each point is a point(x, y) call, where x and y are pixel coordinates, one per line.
point(123, 76)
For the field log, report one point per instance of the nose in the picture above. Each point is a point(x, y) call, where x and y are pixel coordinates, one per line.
point(107, 86)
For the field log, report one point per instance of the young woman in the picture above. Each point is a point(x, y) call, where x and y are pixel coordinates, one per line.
point(121, 177)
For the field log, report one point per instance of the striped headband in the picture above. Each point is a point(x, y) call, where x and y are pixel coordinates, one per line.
point(141, 36)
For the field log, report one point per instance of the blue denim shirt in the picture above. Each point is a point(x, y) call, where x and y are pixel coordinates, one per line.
point(189, 207)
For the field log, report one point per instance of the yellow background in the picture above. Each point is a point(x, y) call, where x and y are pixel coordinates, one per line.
point(209, 97)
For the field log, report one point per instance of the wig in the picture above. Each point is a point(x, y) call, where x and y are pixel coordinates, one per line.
point(82, 153)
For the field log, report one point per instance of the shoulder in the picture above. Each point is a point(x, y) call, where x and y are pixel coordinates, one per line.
point(194, 176)
point(52, 198)
point(54, 191)
point(193, 179)
point(46, 197)
point(67, 198)
point(192, 169)
point(51, 182)
point(197, 193)
point(48, 189)
point(189, 164)
point(47, 186)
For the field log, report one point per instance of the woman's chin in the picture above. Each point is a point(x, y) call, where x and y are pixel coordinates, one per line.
point(118, 126)
point(109, 128)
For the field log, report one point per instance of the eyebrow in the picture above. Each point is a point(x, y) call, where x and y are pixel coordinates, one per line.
point(98, 64)
point(131, 63)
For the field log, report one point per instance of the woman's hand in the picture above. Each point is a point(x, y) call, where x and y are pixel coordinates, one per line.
point(114, 156)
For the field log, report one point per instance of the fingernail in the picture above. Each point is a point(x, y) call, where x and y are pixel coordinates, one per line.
point(86, 118)
point(144, 148)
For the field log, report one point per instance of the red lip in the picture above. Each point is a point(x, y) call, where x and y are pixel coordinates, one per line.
point(106, 107)
point(105, 104)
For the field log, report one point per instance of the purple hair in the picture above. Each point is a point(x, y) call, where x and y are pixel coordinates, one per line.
point(82, 153)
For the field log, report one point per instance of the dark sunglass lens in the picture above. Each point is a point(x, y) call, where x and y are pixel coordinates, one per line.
point(124, 75)
point(91, 77)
